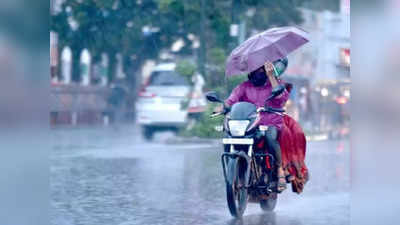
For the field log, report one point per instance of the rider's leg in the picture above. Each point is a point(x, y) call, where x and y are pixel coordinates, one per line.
point(273, 144)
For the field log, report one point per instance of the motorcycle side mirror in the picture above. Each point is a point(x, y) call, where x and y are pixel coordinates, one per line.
point(276, 91)
point(213, 97)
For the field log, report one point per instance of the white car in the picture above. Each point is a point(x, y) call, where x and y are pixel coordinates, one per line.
point(160, 105)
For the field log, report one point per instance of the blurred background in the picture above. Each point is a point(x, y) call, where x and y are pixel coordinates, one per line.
point(131, 137)
point(103, 55)
point(148, 63)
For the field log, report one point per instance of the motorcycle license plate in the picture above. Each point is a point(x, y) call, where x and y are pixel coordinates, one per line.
point(238, 141)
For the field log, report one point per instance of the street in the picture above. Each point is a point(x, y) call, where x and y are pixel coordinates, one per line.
point(106, 176)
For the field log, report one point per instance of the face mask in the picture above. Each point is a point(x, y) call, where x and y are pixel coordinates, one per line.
point(258, 78)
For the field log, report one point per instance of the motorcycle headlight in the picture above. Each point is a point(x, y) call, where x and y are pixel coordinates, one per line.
point(238, 127)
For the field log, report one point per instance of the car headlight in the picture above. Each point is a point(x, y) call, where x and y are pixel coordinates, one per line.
point(238, 127)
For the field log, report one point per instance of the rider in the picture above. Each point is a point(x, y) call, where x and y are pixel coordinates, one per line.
point(256, 90)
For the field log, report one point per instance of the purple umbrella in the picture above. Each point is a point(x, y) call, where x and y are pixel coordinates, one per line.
point(270, 45)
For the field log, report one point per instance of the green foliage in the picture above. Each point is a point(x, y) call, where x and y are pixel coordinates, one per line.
point(332, 5)
point(115, 26)
point(163, 5)
point(275, 13)
point(215, 76)
point(110, 26)
point(217, 56)
point(186, 69)
point(205, 127)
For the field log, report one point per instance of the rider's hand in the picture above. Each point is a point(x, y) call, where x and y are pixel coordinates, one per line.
point(269, 69)
point(218, 109)
point(260, 109)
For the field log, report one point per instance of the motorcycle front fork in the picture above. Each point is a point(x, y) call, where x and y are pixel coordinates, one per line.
point(235, 155)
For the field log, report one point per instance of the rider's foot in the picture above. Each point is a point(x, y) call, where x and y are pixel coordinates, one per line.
point(281, 181)
point(281, 184)
point(289, 178)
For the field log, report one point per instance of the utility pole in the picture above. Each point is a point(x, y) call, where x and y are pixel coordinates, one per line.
point(234, 29)
point(202, 50)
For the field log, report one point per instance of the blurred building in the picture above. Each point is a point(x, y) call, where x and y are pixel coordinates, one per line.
point(320, 70)
point(329, 51)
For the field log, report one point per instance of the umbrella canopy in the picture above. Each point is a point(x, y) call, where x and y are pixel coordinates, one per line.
point(270, 45)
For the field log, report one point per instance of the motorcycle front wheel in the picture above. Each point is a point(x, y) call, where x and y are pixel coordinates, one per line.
point(236, 191)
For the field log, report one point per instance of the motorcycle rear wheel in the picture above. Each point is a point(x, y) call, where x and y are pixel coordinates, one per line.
point(269, 204)
point(236, 192)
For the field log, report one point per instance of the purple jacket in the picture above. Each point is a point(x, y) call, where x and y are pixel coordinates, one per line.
point(247, 92)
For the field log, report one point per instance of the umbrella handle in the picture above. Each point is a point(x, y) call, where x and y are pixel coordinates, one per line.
point(275, 71)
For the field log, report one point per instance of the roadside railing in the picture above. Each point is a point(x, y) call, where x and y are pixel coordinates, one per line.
point(75, 104)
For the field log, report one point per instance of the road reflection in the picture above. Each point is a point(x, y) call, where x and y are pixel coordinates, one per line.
point(141, 183)
point(264, 219)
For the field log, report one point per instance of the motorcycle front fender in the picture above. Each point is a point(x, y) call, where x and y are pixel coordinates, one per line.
point(230, 161)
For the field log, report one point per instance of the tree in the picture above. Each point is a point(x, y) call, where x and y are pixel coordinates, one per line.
point(319, 5)
point(140, 29)
point(182, 17)
point(109, 26)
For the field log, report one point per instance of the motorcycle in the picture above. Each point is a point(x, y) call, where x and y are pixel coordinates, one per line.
point(248, 167)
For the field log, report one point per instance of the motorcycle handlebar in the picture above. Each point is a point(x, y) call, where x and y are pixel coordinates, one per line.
point(273, 110)
point(215, 114)
point(225, 111)
point(276, 110)
point(268, 110)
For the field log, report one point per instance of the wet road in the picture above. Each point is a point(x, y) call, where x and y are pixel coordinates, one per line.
point(113, 177)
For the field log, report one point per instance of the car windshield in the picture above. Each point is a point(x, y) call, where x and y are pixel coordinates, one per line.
point(167, 78)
